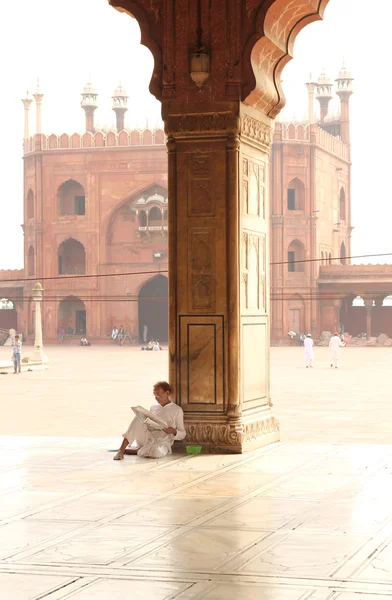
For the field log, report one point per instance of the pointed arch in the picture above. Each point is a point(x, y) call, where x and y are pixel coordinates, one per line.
point(31, 262)
point(71, 198)
point(296, 194)
point(30, 204)
point(343, 255)
point(153, 308)
point(342, 204)
point(71, 258)
point(296, 257)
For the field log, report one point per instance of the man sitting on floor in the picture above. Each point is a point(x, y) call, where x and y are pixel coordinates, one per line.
point(152, 443)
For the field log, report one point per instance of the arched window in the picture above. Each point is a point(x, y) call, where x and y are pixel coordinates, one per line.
point(154, 216)
point(296, 257)
point(142, 218)
point(295, 195)
point(343, 253)
point(342, 205)
point(30, 204)
point(72, 316)
point(71, 199)
point(71, 258)
point(165, 215)
point(31, 262)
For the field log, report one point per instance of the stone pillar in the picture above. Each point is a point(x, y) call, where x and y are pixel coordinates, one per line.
point(218, 276)
point(38, 353)
point(220, 91)
point(368, 307)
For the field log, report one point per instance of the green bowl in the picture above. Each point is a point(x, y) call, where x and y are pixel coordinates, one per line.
point(193, 449)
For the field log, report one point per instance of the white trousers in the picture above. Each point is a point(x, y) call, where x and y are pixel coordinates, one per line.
point(334, 358)
point(151, 444)
point(308, 360)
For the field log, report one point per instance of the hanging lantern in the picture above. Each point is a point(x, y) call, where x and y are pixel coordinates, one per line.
point(200, 67)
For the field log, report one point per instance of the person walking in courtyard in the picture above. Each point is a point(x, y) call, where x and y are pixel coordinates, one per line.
point(334, 348)
point(156, 443)
point(16, 352)
point(308, 346)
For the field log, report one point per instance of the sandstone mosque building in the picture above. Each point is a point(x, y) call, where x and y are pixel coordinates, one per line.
point(96, 204)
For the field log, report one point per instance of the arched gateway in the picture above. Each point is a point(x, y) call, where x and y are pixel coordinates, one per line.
point(153, 309)
point(218, 116)
point(72, 316)
point(8, 314)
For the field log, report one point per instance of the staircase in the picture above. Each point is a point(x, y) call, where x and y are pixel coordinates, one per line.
point(4, 335)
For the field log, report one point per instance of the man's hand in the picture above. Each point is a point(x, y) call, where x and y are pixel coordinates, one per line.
point(170, 430)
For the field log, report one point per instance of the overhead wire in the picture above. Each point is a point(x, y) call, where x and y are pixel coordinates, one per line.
point(163, 271)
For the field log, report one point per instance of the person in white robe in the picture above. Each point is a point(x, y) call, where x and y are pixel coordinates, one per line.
point(335, 344)
point(308, 347)
point(152, 443)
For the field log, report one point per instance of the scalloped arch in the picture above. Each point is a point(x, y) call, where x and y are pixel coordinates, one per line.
point(270, 48)
point(134, 10)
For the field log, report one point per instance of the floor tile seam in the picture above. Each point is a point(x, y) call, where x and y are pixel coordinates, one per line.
point(362, 563)
point(63, 593)
point(49, 543)
point(71, 535)
point(55, 591)
point(197, 481)
point(102, 572)
point(156, 547)
point(55, 504)
point(381, 539)
point(279, 537)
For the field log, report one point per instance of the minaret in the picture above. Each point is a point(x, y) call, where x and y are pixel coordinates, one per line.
point(120, 105)
point(38, 109)
point(89, 105)
point(344, 91)
point(324, 94)
point(310, 87)
point(27, 100)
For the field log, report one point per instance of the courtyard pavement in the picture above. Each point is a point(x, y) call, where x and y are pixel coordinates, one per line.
point(307, 518)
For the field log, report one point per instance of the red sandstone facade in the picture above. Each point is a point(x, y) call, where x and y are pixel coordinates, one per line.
point(96, 204)
point(310, 209)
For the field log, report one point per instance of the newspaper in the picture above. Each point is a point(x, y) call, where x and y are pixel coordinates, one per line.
point(148, 418)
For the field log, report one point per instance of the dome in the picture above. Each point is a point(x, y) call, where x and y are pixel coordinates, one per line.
point(344, 74)
point(89, 90)
point(120, 92)
point(324, 79)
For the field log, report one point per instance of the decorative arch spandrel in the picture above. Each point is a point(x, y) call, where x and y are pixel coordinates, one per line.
point(247, 55)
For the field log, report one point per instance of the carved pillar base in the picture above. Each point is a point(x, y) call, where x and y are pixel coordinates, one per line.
point(233, 436)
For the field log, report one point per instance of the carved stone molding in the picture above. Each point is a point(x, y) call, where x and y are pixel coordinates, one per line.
point(256, 131)
point(254, 431)
point(202, 123)
point(233, 433)
point(213, 433)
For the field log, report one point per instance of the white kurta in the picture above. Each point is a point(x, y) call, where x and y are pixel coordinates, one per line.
point(156, 443)
point(334, 346)
point(308, 347)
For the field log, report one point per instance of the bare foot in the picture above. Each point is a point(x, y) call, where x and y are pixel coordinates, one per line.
point(118, 456)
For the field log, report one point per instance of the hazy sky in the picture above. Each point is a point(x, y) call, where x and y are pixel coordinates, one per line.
point(87, 36)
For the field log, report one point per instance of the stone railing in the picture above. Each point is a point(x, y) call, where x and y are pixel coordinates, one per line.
point(355, 271)
point(300, 132)
point(13, 274)
point(331, 143)
point(296, 132)
point(99, 139)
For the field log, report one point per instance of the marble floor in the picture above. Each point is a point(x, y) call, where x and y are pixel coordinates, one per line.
point(292, 521)
point(308, 518)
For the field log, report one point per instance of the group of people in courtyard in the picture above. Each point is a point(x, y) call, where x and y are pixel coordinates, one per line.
point(335, 343)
